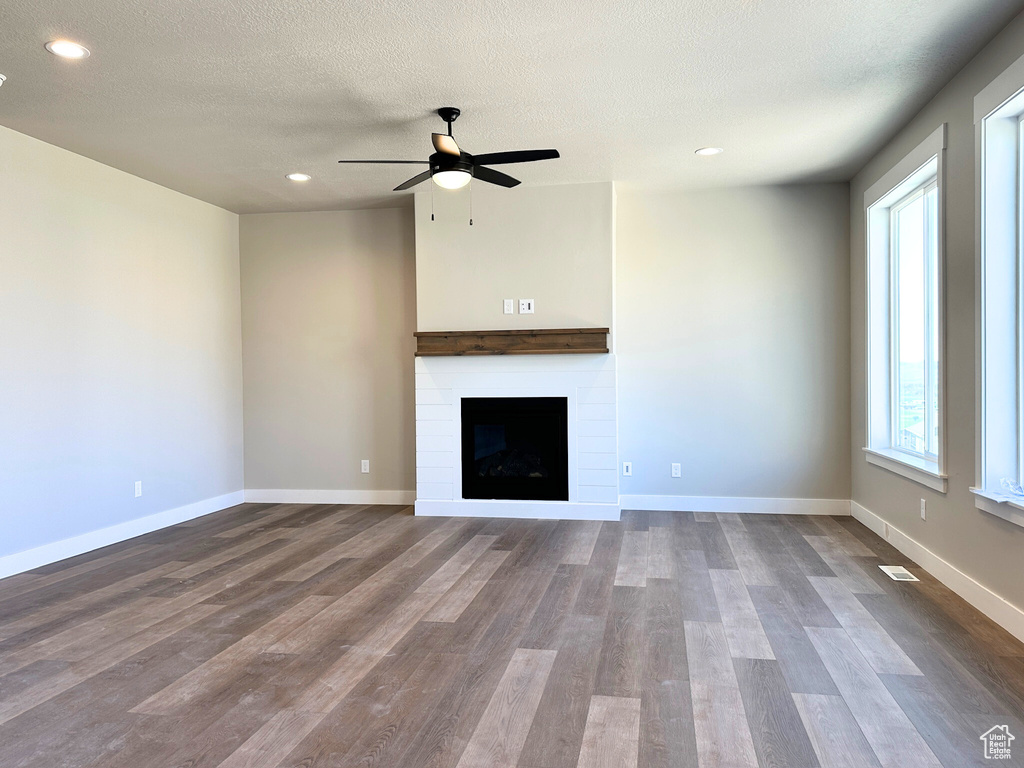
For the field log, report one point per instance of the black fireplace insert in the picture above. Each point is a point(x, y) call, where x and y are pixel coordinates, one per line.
point(515, 448)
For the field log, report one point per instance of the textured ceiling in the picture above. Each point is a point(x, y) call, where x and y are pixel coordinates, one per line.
point(220, 98)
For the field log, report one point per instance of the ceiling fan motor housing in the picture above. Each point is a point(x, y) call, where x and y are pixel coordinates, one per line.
point(439, 161)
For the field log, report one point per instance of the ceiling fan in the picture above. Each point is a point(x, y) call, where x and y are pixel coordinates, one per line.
point(452, 168)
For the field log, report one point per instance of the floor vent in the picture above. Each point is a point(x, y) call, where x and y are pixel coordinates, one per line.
point(898, 573)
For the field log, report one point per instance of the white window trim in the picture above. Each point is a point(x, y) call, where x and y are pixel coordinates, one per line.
point(999, 91)
point(911, 467)
point(878, 451)
point(997, 94)
point(1010, 510)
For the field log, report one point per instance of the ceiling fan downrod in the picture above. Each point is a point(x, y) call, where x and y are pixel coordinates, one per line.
point(449, 115)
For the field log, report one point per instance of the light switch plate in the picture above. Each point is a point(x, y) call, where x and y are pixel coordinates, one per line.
point(526, 306)
point(510, 306)
point(138, 488)
point(627, 469)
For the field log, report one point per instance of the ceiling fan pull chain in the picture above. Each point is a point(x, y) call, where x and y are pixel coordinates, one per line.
point(431, 202)
point(471, 202)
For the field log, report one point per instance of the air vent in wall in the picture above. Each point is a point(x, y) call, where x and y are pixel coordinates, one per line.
point(898, 573)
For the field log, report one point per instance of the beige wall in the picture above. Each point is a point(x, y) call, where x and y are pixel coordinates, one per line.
point(732, 340)
point(550, 244)
point(120, 351)
point(328, 313)
point(982, 546)
point(733, 329)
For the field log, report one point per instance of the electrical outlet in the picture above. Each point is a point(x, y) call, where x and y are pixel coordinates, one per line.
point(677, 470)
point(526, 306)
point(138, 488)
point(924, 509)
point(627, 469)
point(364, 466)
point(510, 306)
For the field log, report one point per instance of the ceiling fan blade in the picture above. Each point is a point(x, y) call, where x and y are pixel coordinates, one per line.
point(492, 176)
point(522, 156)
point(389, 162)
point(445, 143)
point(413, 181)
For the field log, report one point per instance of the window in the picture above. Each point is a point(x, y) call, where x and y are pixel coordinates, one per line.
point(1019, 262)
point(914, 339)
point(1020, 297)
point(905, 317)
point(999, 117)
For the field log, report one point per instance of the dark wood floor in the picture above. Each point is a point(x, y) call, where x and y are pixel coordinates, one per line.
point(362, 636)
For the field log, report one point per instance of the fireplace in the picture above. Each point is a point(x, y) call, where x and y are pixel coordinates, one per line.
point(572, 396)
point(515, 448)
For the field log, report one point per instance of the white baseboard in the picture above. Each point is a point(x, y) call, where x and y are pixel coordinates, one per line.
point(294, 496)
point(86, 542)
point(522, 510)
point(1001, 611)
point(749, 505)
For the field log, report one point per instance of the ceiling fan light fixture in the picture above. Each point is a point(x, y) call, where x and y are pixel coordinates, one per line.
point(451, 179)
point(451, 168)
point(67, 49)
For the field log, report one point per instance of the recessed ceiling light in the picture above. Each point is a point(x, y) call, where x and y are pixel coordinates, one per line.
point(67, 49)
point(298, 177)
point(708, 151)
point(2, 78)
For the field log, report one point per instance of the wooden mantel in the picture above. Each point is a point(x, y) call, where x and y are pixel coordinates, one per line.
point(542, 341)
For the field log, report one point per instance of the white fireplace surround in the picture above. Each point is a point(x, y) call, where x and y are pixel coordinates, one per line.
point(588, 382)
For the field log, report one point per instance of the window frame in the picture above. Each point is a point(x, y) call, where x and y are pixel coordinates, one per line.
point(912, 175)
point(1002, 223)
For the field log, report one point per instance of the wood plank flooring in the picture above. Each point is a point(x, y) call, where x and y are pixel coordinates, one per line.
point(317, 636)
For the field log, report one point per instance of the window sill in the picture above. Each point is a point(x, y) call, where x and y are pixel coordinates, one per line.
point(919, 470)
point(1011, 510)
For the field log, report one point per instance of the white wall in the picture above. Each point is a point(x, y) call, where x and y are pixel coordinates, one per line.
point(733, 341)
point(328, 315)
point(120, 350)
point(984, 547)
point(550, 244)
